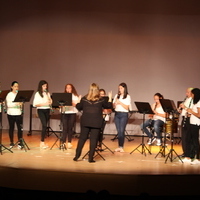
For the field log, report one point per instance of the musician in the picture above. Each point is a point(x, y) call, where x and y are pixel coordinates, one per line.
point(193, 147)
point(91, 106)
point(14, 114)
point(122, 106)
point(69, 116)
point(185, 122)
point(106, 117)
point(156, 121)
point(42, 101)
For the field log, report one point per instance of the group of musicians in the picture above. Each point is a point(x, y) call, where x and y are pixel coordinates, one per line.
point(91, 106)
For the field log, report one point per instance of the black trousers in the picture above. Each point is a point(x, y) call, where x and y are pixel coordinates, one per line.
point(193, 148)
point(12, 119)
point(44, 115)
point(68, 121)
point(94, 135)
point(185, 125)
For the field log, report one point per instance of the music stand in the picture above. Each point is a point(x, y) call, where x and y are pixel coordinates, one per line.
point(169, 107)
point(3, 95)
point(60, 100)
point(143, 108)
point(23, 96)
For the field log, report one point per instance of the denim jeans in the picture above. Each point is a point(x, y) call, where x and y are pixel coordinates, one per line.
point(121, 119)
point(156, 124)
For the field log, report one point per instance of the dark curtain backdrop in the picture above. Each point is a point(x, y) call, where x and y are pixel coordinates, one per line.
point(153, 47)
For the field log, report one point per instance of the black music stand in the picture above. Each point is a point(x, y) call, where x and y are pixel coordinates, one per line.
point(23, 96)
point(60, 100)
point(170, 108)
point(3, 95)
point(143, 108)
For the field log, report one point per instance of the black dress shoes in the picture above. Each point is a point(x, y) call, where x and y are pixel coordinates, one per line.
point(75, 159)
point(91, 161)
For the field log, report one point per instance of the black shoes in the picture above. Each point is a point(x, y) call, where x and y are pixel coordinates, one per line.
point(75, 159)
point(91, 161)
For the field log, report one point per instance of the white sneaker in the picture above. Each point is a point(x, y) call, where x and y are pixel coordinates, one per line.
point(186, 160)
point(121, 150)
point(117, 150)
point(69, 145)
point(195, 162)
point(43, 145)
point(149, 141)
point(158, 142)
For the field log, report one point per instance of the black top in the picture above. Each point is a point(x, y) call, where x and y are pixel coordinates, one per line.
point(92, 111)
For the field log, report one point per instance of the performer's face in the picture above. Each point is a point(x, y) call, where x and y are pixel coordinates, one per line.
point(121, 89)
point(102, 94)
point(15, 87)
point(156, 99)
point(44, 87)
point(188, 93)
point(69, 89)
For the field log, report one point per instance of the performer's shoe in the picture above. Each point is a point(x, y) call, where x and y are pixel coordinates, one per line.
point(43, 145)
point(20, 146)
point(75, 159)
point(91, 161)
point(69, 145)
point(195, 162)
point(11, 145)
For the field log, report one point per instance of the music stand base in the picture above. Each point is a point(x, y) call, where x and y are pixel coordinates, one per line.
point(23, 143)
point(3, 148)
point(170, 156)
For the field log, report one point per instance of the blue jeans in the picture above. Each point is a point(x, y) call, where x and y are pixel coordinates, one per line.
point(121, 119)
point(156, 124)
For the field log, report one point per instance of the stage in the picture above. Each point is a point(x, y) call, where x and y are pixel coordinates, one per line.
point(131, 173)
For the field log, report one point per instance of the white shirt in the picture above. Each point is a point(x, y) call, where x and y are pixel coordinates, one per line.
point(188, 103)
point(71, 109)
point(126, 101)
point(193, 119)
point(39, 100)
point(160, 111)
point(12, 108)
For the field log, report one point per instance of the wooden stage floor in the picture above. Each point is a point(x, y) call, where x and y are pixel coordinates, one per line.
point(125, 173)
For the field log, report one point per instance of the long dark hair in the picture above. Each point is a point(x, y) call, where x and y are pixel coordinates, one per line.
point(41, 83)
point(196, 92)
point(125, 90)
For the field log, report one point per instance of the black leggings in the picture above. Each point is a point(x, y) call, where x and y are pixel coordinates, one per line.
point(44, 115)
point(68, 121)
point(12, 119)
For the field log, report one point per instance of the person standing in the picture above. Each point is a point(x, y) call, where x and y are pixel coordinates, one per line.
point(42, 101)
point(69, 116)
point(91, 106)
point(156, 121)
point(185, 121)
point(193, 147)
point(122, 106)
point(14, 114)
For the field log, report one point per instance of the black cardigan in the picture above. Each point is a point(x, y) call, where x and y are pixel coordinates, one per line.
point(92, 111)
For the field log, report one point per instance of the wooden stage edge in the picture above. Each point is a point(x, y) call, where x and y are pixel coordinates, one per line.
point(127, 173)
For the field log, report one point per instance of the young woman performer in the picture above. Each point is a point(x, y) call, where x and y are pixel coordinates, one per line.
point(193, 147)
point(14, 114)
point(69, 116)
point(156, 120)
point(42, 101)
point(91, 120)
point(122, 106)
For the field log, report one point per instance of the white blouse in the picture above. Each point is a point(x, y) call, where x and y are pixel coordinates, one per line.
point(193, 119)
point(39, 100)
point(12, 108)
point(126, 101)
